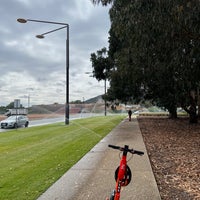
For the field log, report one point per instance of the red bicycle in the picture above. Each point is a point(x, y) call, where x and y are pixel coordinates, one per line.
point(123, 172)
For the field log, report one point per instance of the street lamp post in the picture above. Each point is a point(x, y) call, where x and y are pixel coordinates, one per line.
point(105, 106)
point(41, 36)
point(105, 102)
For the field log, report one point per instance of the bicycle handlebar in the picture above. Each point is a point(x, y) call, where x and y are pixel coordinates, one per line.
point(140, 153)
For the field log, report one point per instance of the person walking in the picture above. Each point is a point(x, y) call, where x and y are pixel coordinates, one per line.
point(129, 114)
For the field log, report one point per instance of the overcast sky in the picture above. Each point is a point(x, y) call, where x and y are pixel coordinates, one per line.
point(36, 67)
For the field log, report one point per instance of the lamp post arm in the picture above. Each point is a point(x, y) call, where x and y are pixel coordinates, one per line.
point(54, 30)
point(48, 22)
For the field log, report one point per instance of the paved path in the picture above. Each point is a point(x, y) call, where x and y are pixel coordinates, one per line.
point(92, 178)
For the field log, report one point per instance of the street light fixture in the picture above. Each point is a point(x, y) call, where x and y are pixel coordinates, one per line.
point(41, 36)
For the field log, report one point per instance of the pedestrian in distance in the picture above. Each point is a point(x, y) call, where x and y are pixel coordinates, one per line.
point(129, 114)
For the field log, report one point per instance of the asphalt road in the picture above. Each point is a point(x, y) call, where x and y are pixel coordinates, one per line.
point(39, 122)
point(45, 121)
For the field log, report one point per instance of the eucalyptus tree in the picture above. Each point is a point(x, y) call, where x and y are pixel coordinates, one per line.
point(102, 65)
point(155, 47)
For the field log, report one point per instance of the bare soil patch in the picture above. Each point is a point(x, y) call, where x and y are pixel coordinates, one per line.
point(173, 147)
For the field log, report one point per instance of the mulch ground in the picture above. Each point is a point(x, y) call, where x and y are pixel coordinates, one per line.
point(173, 147)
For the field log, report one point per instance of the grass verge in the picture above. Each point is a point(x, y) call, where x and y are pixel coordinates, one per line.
point(33, 159)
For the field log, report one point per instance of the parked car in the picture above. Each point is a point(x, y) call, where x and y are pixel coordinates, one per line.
point(15, 121)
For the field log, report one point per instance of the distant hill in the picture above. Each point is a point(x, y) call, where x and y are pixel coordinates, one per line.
point(60, 108)
point(47, 109)
point(94, 99)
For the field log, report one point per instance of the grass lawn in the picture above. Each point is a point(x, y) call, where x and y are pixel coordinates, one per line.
point(32, 159)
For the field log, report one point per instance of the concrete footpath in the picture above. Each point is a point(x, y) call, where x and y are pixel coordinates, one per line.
point(92, 178)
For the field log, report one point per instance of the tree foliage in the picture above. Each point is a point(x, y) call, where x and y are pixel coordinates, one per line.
point(155, 45)
point(101, 64)
point(103, 2)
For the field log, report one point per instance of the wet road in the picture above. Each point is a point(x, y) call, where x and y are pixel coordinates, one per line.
point(45, 121)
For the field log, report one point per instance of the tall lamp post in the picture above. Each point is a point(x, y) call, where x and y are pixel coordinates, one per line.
point(41, 36)
point(105, 102)
point(105, 106)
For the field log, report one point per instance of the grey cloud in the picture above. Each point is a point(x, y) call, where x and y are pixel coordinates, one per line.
point(42, 62)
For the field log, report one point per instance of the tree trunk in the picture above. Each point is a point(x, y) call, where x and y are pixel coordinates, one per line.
point(198, 102)
point(193, 114)
point(172, 113)
point(193, 109)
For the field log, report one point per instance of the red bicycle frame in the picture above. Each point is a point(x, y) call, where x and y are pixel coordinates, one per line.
point(123, 172)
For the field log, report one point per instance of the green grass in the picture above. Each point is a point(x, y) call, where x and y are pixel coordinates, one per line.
point(32, 159)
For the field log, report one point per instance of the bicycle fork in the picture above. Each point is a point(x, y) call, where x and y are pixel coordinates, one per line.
point(120, 181)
